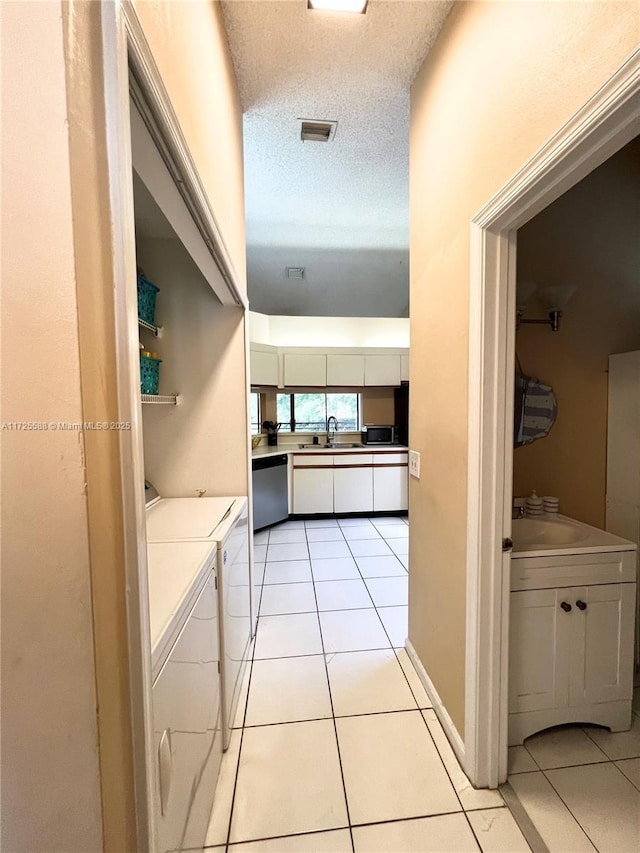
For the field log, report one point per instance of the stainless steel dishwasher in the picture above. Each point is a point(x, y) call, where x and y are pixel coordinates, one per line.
point(270, 490)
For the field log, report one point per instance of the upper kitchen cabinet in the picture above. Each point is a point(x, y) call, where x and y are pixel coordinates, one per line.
point(345, 370)
point(404, 368)
point(305, 370)
point(382, 370)
point(264, 366)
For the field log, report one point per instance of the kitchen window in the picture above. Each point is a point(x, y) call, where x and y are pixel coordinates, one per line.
point(309, 412)
point(254, 410)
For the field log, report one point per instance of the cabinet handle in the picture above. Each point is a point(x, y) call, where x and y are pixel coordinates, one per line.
point(581, 605)
point(565, 606)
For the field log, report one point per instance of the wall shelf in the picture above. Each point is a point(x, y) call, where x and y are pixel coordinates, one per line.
point(162, 399)
point(157, 330)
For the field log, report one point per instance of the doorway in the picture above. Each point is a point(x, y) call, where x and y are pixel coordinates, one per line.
point(604, 125)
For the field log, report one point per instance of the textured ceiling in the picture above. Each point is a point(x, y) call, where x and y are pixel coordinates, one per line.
point(340, 209)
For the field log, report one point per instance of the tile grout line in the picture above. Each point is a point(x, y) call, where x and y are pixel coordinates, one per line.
point(246, 707)
point(230, 844)
point(415, 698)
point(559, 796)
point(333, 715)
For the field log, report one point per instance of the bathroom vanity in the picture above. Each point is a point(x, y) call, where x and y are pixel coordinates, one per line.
point(572, 614)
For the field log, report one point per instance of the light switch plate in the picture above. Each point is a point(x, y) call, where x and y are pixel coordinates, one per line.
point(414, 464)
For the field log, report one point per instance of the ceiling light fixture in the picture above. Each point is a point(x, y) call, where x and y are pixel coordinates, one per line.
point(358, 6)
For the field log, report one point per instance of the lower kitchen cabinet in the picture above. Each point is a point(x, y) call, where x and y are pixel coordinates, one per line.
point(352, 490)
point(312, 490)
point(391, 488)
point(350, 482)
point(571, 657)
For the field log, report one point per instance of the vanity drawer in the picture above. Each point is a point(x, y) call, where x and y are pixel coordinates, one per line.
point(573, 569)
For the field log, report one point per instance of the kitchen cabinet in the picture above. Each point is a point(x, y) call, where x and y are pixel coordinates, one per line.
point(391, 486)
point(571, 657)
point(382, 370)
point(186, 727)
point(349, 482)
point(305, 370)
point(353, 483)
point(345, 371)
point(312, 485)
point(263, 367)
point(404, 368)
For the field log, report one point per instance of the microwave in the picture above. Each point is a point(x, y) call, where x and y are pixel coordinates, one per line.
point(379, 434)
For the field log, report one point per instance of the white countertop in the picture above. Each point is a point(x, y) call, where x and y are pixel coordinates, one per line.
point(264, 450)
point(177, 572)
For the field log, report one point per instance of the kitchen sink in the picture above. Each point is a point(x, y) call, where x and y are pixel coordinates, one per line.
point(340, 446)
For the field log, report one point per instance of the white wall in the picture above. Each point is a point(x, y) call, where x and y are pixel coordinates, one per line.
point(50, 774)
point(322, 332)
point(202, 443)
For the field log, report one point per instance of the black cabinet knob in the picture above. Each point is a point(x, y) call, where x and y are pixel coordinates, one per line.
point(565, 606)
point(581, 605)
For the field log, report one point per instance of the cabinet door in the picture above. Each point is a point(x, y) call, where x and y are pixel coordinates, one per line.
point(345, 370)
point(305, 370)
point(390, 488)
point(186, 721)
point(602, 664)
point(382, 370)
point(263, 367)
point(312, 490)
point(540, 633)
point(404, 368)
point(353, 489)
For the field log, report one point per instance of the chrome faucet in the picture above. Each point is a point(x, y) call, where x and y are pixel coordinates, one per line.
point(331, 434)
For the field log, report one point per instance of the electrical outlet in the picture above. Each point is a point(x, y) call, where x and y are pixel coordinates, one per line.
point(414, 464)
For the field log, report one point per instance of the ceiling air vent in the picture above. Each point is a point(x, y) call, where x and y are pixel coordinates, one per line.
point(295, 273)
point(317, 131)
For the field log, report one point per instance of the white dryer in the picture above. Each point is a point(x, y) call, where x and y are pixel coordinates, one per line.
point(223, 522)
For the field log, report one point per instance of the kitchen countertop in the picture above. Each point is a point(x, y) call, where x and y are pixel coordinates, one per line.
point(265, 450)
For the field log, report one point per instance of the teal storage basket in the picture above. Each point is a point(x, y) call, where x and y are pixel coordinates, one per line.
point(149, 374)
point(147, 300)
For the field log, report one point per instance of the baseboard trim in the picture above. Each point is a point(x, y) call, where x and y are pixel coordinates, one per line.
point(452, 733)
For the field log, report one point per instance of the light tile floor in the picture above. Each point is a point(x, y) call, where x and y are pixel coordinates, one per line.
point(580, 785)
point(338, 749)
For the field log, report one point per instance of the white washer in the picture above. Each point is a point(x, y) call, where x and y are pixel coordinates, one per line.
point(223, 522)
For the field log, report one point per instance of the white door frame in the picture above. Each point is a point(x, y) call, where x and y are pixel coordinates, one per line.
point(609, 120)
point(126, 54)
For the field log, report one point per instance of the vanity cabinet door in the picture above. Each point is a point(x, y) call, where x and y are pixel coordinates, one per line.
point(538, 651)
point(602, 670)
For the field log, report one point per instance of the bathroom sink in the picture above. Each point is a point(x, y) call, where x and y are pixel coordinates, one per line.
point(340, 446)
point(542, 531)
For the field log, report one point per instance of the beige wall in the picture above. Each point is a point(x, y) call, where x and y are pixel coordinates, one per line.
point(590, 238)
point(50, 773)
point(202, 443)
point(189, 44)
point(501, 79)
point(378, 406)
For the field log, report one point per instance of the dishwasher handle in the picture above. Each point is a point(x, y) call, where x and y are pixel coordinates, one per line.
point(265, 462)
